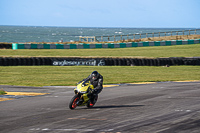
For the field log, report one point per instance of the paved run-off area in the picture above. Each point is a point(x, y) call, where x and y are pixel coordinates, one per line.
point(158, 107)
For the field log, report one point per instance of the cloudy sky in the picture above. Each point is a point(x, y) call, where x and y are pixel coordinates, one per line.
point(102, 13)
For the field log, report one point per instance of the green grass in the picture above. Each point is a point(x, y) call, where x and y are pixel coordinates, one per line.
point(70, 75)
point(152, 52)
point(2, 92)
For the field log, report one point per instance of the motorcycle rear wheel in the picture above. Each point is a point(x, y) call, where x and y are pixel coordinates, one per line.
point(73, 102)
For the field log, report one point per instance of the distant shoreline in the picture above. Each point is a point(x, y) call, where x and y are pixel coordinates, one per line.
point(70, 35)
point(167, 38)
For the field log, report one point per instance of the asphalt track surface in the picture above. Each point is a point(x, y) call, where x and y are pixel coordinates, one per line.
point(168, 107)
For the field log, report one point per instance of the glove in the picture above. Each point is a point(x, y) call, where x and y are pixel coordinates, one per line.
point(83, 84)
point(94, 91)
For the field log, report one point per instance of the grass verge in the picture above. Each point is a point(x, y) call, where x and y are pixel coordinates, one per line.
point(143, 52)
point(2, 92)
point(70, 75)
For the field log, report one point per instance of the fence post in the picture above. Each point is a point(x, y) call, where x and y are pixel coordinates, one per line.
point(96, 38)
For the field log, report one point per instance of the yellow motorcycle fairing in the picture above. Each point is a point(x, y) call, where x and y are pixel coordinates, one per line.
point(83, 91)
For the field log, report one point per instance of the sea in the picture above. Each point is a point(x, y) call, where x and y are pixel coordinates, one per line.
point(25, 34)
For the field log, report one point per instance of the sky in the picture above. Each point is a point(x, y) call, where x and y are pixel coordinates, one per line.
point(102, 13)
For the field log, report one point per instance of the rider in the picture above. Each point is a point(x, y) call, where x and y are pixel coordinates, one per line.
point(96, 80)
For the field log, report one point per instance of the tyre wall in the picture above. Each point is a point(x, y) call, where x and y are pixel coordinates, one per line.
point(51, 61)
point(5, 46)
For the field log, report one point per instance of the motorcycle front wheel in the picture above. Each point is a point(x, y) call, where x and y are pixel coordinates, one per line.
point(73, 102)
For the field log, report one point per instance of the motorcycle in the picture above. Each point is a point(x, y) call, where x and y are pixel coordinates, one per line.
point(81, 96)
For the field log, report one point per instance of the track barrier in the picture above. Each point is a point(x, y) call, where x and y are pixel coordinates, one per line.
point(73, 61)
point(16, 46)
point(5, 46)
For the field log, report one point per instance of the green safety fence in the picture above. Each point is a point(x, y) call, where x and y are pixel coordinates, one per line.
point(103, 45)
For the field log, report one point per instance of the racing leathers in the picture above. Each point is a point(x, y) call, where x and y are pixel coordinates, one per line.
point(98, 83)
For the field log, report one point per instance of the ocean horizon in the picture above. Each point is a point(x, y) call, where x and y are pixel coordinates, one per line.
point(69, 34)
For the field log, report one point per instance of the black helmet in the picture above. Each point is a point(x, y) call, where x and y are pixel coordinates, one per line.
point(94, 75)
